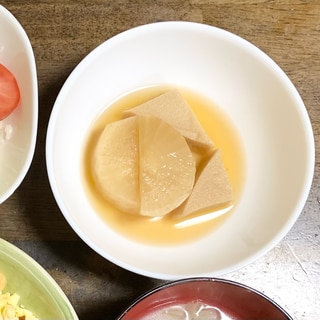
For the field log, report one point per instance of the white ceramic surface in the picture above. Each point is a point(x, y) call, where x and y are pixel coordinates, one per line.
point(252, 90)
point(17, 152)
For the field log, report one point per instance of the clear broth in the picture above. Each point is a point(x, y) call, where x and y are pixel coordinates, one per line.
point(166, 230)
point(190, 311)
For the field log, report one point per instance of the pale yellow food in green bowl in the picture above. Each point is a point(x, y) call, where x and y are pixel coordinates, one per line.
point(36, 289)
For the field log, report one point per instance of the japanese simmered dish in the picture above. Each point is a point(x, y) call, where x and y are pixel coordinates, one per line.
point(154, 162)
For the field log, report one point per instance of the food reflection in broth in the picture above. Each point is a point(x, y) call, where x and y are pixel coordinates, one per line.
point(195, 310)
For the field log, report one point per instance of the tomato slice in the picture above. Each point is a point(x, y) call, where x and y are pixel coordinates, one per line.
point(9, 92)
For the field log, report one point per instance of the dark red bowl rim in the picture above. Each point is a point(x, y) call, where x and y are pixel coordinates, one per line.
point(238, 286)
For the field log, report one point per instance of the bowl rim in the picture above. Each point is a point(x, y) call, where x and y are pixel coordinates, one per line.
point(233, 283)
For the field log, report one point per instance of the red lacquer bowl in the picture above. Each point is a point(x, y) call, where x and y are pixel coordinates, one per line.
point(232, 300)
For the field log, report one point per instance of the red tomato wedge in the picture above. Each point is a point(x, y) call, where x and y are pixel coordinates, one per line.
point(9, 92)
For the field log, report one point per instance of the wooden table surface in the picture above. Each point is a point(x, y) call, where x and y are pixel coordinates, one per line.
point(62, 32)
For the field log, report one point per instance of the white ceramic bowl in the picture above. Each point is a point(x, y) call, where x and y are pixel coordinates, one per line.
point(254, 93)
point(16, 151)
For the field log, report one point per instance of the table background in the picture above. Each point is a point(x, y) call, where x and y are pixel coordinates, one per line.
point(62, 32)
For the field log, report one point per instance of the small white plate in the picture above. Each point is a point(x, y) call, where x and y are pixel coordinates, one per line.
point(17, 151)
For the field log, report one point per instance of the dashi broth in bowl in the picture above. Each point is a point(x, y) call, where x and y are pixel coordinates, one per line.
point(244, 102)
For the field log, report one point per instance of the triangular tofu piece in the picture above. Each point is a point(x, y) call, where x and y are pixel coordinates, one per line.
point(172, 108)
point(212, 189)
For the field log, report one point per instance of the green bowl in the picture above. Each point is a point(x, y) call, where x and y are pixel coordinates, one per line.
point(38, 292)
